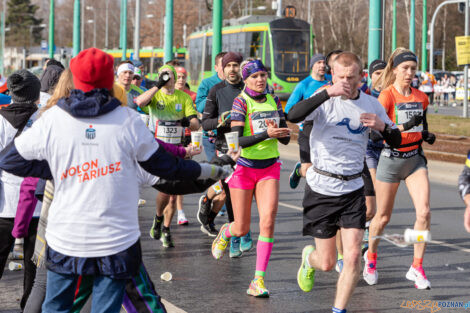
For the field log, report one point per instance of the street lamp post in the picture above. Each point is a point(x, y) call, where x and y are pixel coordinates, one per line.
point(106, 35)
point(90, 8)
point(51, 30)
point(137, 30)
point(76, 28)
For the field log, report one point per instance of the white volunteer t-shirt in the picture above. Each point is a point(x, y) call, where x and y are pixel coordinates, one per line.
point(10, 184)
point(94, 165)
point(338, 142)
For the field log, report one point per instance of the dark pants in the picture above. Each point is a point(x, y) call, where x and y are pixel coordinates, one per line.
point(228, 201)
point(6, 244)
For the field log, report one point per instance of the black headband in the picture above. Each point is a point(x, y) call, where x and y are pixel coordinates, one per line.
point(404, 57)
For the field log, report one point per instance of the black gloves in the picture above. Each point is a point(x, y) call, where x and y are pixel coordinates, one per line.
point(185, 122)
point(414, 121)
point(163, 79)
point(428, 137)
point(375, 136)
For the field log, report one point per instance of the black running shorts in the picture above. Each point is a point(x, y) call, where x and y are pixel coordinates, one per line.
point(304, 142)
point(324, 215)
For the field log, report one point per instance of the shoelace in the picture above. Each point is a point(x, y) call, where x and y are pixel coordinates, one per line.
point(310, 273)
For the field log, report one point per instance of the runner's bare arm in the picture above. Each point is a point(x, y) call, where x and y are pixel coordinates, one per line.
point(145, 98)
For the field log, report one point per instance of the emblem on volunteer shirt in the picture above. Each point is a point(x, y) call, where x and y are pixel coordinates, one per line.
point(178, 107)
point(358, 130)
point(160, 105)
point(29, 123)
point(90, 133)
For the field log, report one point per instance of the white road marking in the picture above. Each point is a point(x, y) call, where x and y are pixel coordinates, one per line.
point(171, 308)
point(436, 242)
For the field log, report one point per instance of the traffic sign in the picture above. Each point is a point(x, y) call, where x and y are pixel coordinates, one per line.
point(43, 45)
point(462, 47)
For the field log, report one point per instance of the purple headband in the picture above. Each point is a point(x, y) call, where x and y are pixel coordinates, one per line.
point(252, 67)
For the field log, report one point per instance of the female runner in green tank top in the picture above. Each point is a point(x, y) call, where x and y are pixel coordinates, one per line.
point(258, 118)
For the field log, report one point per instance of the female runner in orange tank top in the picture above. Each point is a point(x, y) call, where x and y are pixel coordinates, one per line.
point(406, 106)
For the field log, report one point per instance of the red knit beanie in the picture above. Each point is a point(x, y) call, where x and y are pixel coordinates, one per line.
point(92, 68)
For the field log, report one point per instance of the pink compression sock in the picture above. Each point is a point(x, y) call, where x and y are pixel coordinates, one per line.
point(263, 252)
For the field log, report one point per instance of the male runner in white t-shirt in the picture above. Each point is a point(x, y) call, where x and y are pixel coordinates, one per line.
point(334, 195)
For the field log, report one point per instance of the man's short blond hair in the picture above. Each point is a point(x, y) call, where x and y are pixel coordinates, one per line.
point(347, 59)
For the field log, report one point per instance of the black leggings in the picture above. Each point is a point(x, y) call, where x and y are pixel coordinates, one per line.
point(6, 244)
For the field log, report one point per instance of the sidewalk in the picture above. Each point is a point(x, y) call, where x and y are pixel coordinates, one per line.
point(439, 172)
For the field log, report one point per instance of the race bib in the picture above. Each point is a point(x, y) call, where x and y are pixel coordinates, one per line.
point(405, 111)
point(169, 131)
point(258, 121)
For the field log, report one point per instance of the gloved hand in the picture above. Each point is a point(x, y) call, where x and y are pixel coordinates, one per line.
point(428, 137)
point(163, 79)
point(185, 122)
point(213, 172)
point(414, 121)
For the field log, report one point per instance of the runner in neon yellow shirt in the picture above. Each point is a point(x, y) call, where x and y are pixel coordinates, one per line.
point(172, 111)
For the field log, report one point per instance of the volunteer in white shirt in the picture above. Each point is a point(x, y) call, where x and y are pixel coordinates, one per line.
point(92, 146)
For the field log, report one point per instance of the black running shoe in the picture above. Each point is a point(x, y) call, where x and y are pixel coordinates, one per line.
point(166, 240)
point(209, 229)
point(205, 207)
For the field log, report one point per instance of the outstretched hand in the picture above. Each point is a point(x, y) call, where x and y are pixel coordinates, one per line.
point(372, 121)
point(275, 132)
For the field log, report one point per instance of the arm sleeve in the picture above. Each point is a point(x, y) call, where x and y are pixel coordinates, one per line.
point(175, 150)
point(164, 165)
point(425, 120)
point(201, 97)
point(248, 141)
point(210, 115)
point(191, 186)
point(305, 107)
point(295, 97)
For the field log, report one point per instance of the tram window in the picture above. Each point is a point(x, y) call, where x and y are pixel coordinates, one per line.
point(267, 54)
point(195, 54)
point(208, 56)
point(256, 44)
point(291, 49)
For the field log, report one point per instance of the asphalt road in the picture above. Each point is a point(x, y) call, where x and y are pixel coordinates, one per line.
point(202, 284)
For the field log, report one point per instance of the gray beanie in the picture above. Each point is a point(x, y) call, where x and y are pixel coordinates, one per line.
point(24, 87)
point(315, 58)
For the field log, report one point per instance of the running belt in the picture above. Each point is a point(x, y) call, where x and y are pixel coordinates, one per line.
point(337, 176)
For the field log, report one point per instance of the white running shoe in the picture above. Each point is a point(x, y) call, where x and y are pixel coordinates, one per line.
point(182, 220)
point(370, 271)
point(419, 277)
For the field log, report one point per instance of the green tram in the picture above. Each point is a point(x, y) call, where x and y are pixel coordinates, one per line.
point(283, 44)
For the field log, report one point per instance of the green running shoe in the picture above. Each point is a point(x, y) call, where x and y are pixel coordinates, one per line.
point(156, 230)
point(306, 274)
